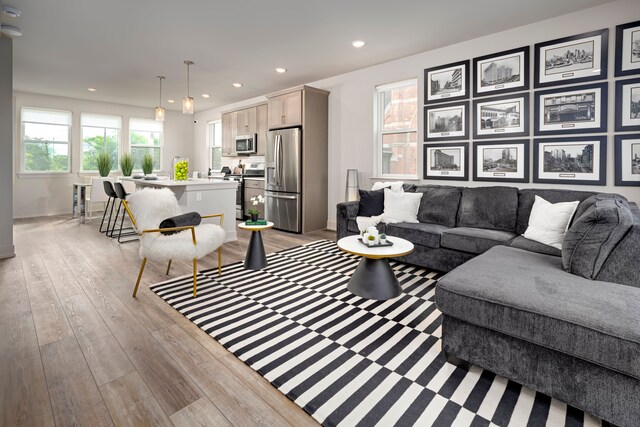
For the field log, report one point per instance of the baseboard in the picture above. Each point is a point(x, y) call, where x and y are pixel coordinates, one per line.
point(331, 225)
point(8, 251)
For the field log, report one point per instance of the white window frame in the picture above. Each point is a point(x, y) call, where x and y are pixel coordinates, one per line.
point(161, 146)
point(23, 155)
point(212, 142)
point(119, 131)
point(378, 129)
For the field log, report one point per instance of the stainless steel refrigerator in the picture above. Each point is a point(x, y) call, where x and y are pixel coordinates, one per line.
point(283, 171)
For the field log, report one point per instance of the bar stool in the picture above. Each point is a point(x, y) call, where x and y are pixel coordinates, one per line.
point(111, 194)
point(122, 194)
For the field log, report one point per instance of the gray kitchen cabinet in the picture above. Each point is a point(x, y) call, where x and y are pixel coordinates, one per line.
point(253, 187)
point(285, 110)
point(246, 121)
point(261, 129)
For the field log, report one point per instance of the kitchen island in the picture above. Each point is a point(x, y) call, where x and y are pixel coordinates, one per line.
point(203, 196)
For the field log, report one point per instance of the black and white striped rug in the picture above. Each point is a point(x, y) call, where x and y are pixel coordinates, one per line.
point(351, 361)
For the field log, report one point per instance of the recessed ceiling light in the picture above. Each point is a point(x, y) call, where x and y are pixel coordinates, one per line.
point(171, 101)
point(237, 85)
point(10, 30)
point(358, 43)
point(206, 95)
point(10, 11)
point(281, 70)
point(92, 89)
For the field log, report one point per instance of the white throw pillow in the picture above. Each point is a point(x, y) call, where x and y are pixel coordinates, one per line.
point(393, 185)
point(549, 221)
point(400, 207)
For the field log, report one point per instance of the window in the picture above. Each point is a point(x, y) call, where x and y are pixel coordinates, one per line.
point(145, 136)
point(214, 142)
point(46, 136)
point(397, 129)
point(100, 134)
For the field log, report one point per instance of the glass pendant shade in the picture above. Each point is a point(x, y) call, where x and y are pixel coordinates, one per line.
point(187, 105)
point(160, 114)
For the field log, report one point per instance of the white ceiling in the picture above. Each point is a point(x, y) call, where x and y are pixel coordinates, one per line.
point(120, 46)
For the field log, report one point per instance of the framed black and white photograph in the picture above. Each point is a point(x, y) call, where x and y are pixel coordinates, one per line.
point(575, 160)
point(628, 49)
point(446, 161)
point(502, 161)
point(627, 160)
point(502, 72)
point(447, 122)
point(446, 82)
point(501, 116)
point(628, 105)
point(575, 59)
point(577, 109)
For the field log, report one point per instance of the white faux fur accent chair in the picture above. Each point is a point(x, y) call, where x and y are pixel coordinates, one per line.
point(147, 208)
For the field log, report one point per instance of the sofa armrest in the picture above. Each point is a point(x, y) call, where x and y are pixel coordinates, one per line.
point(345, 212)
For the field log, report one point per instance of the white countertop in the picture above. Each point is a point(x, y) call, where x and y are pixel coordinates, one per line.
point(191, 182)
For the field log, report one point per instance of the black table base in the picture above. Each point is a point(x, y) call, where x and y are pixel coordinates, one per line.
point(374, 279)
point(256, 259)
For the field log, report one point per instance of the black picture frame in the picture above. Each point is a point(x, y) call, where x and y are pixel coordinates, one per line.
point(519, 55)
point(624, 48)
point(478, 121)
point(624, 100)
point(623, 172)
point(451, 146)
point(430, 98)
point(447, 135)
point(599, 41)
point(502, 173)
point(568, 177)
point(581, 123)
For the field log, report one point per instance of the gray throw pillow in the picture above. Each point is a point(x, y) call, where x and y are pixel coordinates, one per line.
point(595, 234)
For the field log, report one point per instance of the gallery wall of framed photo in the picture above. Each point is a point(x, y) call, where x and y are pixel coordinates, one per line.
point(480, 109)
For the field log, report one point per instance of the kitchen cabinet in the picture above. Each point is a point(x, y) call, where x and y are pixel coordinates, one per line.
point(246, 121)
point(227, 138)
point(261, 129)
point(253, 187)
point(285, 110)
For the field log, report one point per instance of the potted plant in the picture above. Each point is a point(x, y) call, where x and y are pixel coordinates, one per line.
point(103, 161)
point(372, 240)
point(383, 239)
point(126, 164)
point(147, 164)
point(254, 212)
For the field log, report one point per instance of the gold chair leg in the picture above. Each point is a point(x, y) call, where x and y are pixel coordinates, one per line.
point(195, 273)
point(135, 290)
point(219, 260)
point(168, 268)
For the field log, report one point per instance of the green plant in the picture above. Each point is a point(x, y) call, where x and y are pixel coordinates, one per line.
point(372, 238)
point(147, 164)
point(103, 161)
point(126, 164)
point(255, 201)
point(382, 236)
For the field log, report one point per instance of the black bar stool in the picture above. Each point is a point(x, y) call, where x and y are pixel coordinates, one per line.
point(111, 194)
point(122, 194)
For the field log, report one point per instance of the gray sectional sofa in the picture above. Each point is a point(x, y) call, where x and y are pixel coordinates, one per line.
point(565, 323)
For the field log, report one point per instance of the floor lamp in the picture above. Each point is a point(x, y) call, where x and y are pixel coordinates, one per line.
point(351, 193)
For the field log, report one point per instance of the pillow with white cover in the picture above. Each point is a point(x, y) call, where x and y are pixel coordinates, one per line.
point(400, 207)
point(393, 185)
point(549, 222)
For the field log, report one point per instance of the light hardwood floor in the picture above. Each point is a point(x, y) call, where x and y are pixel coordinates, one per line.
point(77, 349)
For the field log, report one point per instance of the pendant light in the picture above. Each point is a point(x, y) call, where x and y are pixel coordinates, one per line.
point(159, 110)
point(187, 101)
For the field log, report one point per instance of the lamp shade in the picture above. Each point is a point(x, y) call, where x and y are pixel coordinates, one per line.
point(187, 105)
point(160, 114)
point(351, 192)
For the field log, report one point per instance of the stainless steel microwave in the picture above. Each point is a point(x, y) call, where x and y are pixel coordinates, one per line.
point(246, 144)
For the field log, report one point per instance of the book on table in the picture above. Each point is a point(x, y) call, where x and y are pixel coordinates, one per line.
point(257, 222)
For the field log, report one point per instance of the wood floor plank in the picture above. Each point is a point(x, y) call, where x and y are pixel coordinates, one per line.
point(131, 403)
point(61, 278)
point(202, 413)
point(106, 359)
point(24, 397)
point(236, 401)
point(74, 395)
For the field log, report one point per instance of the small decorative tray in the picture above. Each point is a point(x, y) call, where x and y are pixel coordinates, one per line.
point(379, 245)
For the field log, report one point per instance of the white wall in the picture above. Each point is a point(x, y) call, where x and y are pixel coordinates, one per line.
point(6, 147)
point(351, 136)
point(52, 194)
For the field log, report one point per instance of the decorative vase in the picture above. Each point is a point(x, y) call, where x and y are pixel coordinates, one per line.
point(254, 217)
point(383, 241)
point(180, 168)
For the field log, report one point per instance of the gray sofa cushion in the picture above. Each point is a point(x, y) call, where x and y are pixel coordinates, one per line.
point(488, 207)
point(522, 242)
point(529, 296)
point(595, 234)
point(439, 204)
point(418, 233)
point(474, 240)
point(526, 198)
